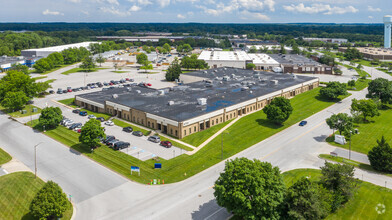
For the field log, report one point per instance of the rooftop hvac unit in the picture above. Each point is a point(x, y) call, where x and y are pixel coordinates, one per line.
point(138, 91)
point(161, 92)
point(244, 88)
point(226, 78)
point(274, 82)
point(202, 101)
point(115, 96)
point(170, 103)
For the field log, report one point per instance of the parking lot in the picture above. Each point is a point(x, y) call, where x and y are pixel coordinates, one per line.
point(140, 147)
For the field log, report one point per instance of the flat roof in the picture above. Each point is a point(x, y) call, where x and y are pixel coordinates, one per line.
point(224, 55)
point(262, 58)
point(294, 59)
point(224, 87)
point(64, 47)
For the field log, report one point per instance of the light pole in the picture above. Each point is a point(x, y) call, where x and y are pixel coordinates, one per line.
point(222, 143)
point(349, 149)
point(35, 158)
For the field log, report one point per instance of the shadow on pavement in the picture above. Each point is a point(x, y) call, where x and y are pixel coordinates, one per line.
point(321, 138)
point(210, 210)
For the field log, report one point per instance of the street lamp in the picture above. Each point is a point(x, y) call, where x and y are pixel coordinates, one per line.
point(35, 158)
point(349, 149)
point(222, 143)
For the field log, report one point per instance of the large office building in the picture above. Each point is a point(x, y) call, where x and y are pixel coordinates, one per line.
point(44, 52)
point(372, 53)
point(207, 98)
point(288, 63)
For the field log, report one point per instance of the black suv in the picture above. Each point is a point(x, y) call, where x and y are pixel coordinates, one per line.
point(128, 129)
point(137, 133)
point(101, 119)
point(120, 145)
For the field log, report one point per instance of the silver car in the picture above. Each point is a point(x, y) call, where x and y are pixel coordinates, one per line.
point(155, 139)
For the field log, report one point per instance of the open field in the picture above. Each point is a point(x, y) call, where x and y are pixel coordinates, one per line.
point(18, 114)
point(361, 206)
point(255, 125)
point(17, 191)
point(198, 138)
point(369, 133)
point(4, 157)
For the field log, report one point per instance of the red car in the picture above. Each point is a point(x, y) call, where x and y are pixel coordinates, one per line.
point(69, 90)
point(148, 84)
point(111, 83)
point(166, 144)
point(79, 130)
point(126, 79)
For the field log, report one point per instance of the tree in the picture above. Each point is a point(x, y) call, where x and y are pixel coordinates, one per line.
point(279, 110)
point(352, 54)
point(307, 200)
point(365, 107)
point(14, 100)
point(56, 58)
point(50, 202)
point(100, 59)
point(167, 47)
point(252, 49)
point(147, 66)
point(327, 60)
point(115, 65)
point(282, 49)
point(91, 132)
point(174, 71)
point(333, 90)
point(20, 68)
point(88, 64)
point(41, 65)
point(50, 117)
point(380, 156)
point(341, 122)
point(250, 189)
point(339, 179)
point(141, 58)
point(351, 83)
point(250, 66)
point(359, 66)
point(380, 89)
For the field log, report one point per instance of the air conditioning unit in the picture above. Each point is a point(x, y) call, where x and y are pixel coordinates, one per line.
point(170, 103)
point(202, 101)
point(115, 96)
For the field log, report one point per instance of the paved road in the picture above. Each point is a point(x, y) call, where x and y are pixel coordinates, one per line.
point(101, 194)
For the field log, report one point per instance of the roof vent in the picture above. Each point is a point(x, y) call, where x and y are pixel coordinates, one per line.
point(138, 91)
point(201, 101)
point(161, 92)
point(115, 96)
point(244, 88)
point(274, 82)
point(170, 103)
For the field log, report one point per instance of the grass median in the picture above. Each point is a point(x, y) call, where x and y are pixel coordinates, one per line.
point(19, 114)
point(78, 70)
point(17, 191)
point(4, 157)
point(361, 206)
point(246, 132)
point(369, 132)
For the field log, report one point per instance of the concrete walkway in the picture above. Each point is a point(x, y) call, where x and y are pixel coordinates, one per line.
point(13, 166)
point(213, 136)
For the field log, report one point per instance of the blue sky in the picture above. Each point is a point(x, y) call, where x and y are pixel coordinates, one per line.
point(205, 11)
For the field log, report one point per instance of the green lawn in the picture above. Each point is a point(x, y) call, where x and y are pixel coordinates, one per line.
point(54, 69)
point(354, 163)
point(364, 63)
point(50, 80)
point(17, 191)
point(18, 114)
point(70, 102)
point(360, 84)
point(361, 206)
point(4, 157)
point(198, 138)
point(119, 71)
point(135, 128)
point(369, 133)
point(384, 70)
point(175, 143)
point(39, 77)
point(78, 70)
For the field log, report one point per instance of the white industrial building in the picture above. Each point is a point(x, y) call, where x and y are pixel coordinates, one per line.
point(269, 47)
point(216, 59)
point(263, 61)
point(44, 52)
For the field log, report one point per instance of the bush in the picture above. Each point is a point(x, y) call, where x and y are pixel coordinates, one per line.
point(50, 117)
point(333, 90)
point(279, 110)
point(50, 202)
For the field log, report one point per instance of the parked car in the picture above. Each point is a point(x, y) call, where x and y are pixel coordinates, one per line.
point(79, 130)
point(65, 91)
point(166, 144)
point(137, 133)
point(68, 123)
point(101, 119)
point(128, 129)
point(91, 116)
point(105, 83)
point(112, 142)
point(120, 145)
point(51, 92)
point(303, 123)
point(83, 113)
point(77, 111)
point(109, 123)
point(59, 91)
point(108, 138)
point(75, 125)
point(155, 139)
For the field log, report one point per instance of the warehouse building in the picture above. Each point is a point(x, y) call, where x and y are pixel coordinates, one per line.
point(206, 99)
point(268, 47)
point(44, 52)
point(372, 53)
point(216, 59)
point(293, 63)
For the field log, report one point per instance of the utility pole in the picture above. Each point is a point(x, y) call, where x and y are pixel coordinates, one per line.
point(35, 158)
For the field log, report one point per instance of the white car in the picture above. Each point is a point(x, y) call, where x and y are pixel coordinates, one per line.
point(91, 116)
point(109, 123)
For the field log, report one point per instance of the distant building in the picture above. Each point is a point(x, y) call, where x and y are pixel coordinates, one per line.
point(215, 59)
point(7, 62)
point(372, 53)
point(238, 42)
point(293, 63)
point(326, 40)
point(44, 52)
point(269, 47)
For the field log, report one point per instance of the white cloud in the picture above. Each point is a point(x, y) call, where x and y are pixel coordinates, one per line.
point(85, 12)
point(113, 2)
point(115, 11)
point(254, 6)
point(141, 2)
point(370, 8)
point(48, 12)
point(370, 17)
point(163, 3)
point(250, 15)
point(135, 8)
point(320, 8)
point(180, 16)
point(190, 13)
point(75, 1)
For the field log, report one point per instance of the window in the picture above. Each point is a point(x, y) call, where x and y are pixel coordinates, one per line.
point(184, 132)
point(194, 129)
point(190, 131)
point(176, 132)
point(221, 119)
point(212, 122)
point(216, 121)
point(153, 125)
point(171, 130)
point(142, 121)
point(227, 117)
point(231, 116)
point(148, 124)
point(133, 118)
